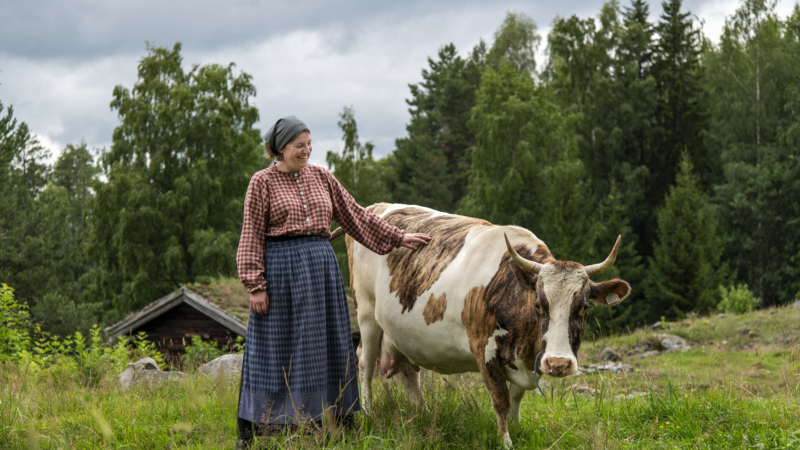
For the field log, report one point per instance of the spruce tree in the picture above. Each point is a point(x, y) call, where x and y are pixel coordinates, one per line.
point(684, 273)
point(681, 115)
point(430, 166)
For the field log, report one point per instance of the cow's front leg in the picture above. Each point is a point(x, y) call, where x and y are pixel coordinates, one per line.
point(371, 335)
point(494, 377)
point(517, 393)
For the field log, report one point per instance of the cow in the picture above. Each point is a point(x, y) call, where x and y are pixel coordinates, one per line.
point(479, 298)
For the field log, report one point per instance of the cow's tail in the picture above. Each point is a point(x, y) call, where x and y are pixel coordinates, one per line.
point(336, 233)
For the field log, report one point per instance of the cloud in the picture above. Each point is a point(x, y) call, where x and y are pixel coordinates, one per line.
point(60, 61)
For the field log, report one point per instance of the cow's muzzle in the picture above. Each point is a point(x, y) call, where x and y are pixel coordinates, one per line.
point(558, 367)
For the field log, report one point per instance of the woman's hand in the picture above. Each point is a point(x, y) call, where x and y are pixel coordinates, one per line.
point(412, 240)
point(259, 302)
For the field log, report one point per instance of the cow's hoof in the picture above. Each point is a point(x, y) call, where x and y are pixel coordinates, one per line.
point(507, 441)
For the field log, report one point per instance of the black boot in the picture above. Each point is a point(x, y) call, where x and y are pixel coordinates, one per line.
point(245, 434)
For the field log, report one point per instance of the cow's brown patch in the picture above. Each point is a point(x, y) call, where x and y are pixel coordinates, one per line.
point(414, 272)
point(480, 323)
point(349, 242)
point(577, 319)
point(511, 296)
point(478, 320)
point(434, 310)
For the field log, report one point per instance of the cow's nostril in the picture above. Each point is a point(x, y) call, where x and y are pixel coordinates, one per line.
point(557, 366)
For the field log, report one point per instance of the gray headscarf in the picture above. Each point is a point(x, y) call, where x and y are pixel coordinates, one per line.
point(283, 131)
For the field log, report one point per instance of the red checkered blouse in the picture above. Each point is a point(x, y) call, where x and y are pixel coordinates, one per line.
point(301, 204)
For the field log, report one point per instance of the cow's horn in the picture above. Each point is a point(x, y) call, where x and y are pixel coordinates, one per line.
point(594, 269)
point(522, 262)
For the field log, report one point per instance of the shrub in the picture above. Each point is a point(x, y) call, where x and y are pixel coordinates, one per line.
point(736, 300)
point(15, 324)
point(200, 352)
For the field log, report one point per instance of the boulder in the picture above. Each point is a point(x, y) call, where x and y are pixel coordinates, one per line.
point(230, 365)
point(145, 370)
point(610, 355)
point(666, 343)
point(796, 305)
point(609, 367)
point(657, 326)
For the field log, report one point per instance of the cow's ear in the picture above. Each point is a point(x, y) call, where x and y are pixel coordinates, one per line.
point(609, 293)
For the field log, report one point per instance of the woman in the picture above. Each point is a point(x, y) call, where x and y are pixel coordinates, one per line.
point(298, 358)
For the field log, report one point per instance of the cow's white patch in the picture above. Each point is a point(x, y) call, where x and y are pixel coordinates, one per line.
point(491, 345)
point(612, 299)
point(560, 287)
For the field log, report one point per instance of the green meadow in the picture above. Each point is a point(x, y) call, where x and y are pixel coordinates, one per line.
point(738, 387)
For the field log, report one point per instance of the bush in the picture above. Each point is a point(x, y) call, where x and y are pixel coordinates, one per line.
point(15, 324)
point(25, 345)
point(737, 300)
point(200, 352)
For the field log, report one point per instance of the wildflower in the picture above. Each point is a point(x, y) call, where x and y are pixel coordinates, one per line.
point(667, 423)
point(661, 426)
point(685, 395)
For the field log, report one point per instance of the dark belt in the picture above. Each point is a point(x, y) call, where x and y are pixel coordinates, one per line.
point(282, 238)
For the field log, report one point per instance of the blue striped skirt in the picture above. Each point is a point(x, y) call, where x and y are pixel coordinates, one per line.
point(298, 359)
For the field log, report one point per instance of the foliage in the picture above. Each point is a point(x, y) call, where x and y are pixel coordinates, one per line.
point(430, 166)
point(177, 170)
point(753, 77)
point(73, 357)
point(15, 324)
point(736, 300)
point(515, 131)
point(515, 43)
point(685, 271)
point(200, 352)
point(629, 266)
point(355, 169)
point(25, 224)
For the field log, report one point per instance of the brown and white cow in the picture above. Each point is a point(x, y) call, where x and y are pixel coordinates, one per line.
point(479, 298)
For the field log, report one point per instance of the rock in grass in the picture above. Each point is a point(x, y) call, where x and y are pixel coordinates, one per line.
point(666, 343)
point(796, 305)
point(610, 355)
point(225, 364)
point(145, 370)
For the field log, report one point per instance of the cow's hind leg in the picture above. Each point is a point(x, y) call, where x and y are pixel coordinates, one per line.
point(408, 375)
point(517, 393)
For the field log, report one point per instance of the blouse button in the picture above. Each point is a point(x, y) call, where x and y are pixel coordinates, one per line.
point(301, 192)
point(296, 181)
point(295, 174)
point(305, 206)
point(307, 219)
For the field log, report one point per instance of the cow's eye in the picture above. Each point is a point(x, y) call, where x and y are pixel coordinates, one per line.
point(538, 306)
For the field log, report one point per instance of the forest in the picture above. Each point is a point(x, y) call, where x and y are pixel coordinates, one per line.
point(686, 146)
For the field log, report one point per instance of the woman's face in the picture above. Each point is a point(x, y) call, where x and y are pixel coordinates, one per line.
point(296, 152)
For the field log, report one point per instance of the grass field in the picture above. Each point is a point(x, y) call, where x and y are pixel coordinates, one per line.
point(744, 393)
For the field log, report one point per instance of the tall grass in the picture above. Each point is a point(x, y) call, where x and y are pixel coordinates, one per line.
point(745, 394)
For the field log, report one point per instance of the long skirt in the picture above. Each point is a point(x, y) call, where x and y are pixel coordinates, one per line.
point(298, 359)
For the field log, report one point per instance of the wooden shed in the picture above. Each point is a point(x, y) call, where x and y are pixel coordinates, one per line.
point(172, 321)
point(216, 312)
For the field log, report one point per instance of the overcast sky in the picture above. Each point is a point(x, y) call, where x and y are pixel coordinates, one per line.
point(60, 61)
